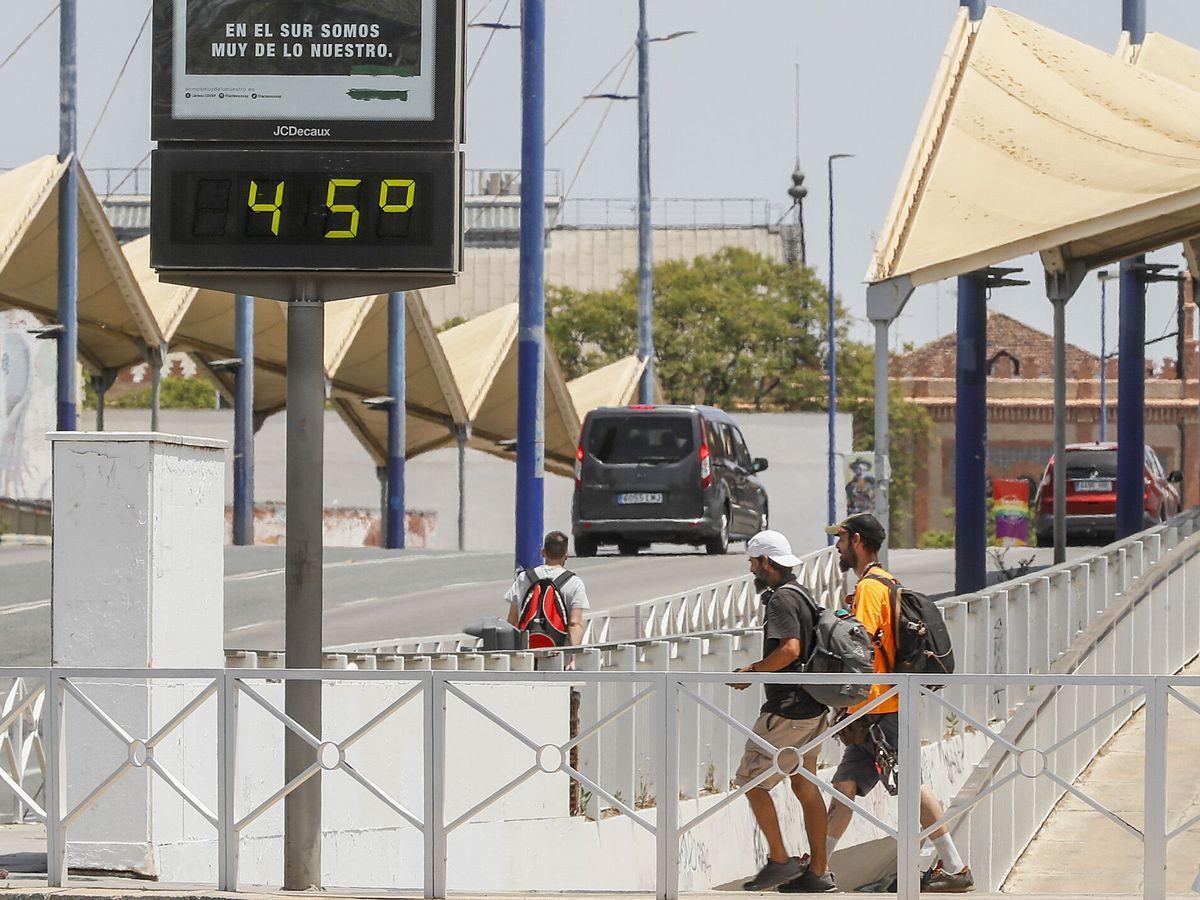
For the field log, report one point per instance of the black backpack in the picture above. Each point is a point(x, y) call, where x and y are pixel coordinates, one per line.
point(923, 644)
point(543, 615)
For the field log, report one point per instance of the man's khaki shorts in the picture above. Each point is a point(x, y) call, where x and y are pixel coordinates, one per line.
point(779, 732)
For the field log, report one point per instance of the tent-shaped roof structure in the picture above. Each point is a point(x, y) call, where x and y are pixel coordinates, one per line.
point(483, 357)
point(432, 399)
point(1034, 142)
point(1180, 63)
point(480, 357)
point(201, 322)
point(613, 385)
point(115, 321)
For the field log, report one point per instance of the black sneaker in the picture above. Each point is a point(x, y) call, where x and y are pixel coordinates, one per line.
point(774, 874)
point(938, 881)
point(810, 883)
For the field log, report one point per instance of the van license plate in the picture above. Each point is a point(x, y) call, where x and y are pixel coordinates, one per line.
point(628, 499)
point(1094, 486)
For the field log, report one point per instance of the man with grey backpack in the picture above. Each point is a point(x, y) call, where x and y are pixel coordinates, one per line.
point(797, 637)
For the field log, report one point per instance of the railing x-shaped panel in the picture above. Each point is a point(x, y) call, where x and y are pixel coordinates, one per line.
point(329, 756)
point(549, 758)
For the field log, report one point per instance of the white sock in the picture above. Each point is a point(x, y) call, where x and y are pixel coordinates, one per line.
point(948, 854)
point(830, 845)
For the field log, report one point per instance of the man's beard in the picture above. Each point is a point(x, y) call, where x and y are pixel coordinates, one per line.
point(845, 562)
point(760, 583)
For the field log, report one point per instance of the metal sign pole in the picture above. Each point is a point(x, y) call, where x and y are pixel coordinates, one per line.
point(305, 507)
point(68, 222)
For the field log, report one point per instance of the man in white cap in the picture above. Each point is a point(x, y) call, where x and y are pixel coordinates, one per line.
point(790, 718)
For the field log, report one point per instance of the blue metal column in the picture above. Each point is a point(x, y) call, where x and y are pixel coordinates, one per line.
point(68, 222)
point(397, 413)
point(243, 423)
point(970, 438)
point(970, 422)
point(1131, 354)
point(645, 235)
point(831, 456)
point(1133, 20)
point(531, 427)
point(1131, 398)
point(1103, 276)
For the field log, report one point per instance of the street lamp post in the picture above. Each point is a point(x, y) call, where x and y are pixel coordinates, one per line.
point(645, 284)
point(832, 512)
point(1103, 275)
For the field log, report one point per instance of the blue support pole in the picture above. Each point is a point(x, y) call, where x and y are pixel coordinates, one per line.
point(1133, 20)
point(1103, 357)
point(645, 235)
point(970, 438)
point(397, 413)
point(531, 428)
point(243, 423)
point(1131, 398)
point(831, 461)
point(1131, 354)
point(68, 222)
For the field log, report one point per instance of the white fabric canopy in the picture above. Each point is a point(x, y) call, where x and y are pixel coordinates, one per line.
point(1033, 142)
point(115, 321)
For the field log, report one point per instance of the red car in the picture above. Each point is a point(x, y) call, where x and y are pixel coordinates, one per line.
point(1092, 494)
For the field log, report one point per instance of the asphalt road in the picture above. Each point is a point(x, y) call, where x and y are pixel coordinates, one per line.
point(369, 594)
point(377, 595)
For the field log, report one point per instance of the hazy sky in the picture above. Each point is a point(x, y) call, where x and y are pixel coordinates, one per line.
point(722, 110)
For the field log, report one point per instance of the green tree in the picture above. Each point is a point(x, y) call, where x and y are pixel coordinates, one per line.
point(176, 392)
point(739, 330)
point(734, 328)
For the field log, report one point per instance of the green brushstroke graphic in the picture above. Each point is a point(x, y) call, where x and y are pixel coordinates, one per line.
point(397, 71)
point(361, 94)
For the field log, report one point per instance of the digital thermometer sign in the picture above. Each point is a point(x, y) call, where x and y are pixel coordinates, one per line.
point(380, 212)
point(308, 149)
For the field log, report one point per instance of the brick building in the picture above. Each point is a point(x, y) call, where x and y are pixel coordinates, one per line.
point(1021, 410)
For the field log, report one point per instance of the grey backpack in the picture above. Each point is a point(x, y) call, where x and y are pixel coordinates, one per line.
point(841, 645)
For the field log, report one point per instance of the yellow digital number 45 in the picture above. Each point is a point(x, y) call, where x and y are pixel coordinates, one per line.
point(334, 184)
point(274, 208)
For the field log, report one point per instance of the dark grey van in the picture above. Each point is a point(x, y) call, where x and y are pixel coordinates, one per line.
point(664, 474)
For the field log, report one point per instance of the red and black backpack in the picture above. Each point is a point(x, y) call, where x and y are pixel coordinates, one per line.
point(543, 612)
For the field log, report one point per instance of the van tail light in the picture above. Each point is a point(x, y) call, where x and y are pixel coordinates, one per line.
point(579, 467)
point(706, 478)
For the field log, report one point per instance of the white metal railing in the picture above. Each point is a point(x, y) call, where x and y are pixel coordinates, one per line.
point(1034, 766)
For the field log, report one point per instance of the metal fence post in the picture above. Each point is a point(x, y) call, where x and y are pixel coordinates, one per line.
point(908, 842)
point(435, 786)
point(228, 843)
point(667, 830)
point(56, 783)
point(1154, 876)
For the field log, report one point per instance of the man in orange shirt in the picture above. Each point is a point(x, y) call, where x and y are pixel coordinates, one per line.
point(859, 539)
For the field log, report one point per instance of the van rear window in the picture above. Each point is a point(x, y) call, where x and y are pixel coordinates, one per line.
point(1091, 463)
point(642, 438)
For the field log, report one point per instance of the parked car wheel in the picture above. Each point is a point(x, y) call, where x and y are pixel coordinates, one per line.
point(719, 544)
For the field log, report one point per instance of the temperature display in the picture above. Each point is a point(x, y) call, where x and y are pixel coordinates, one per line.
point(307, 210)
point(305, 207)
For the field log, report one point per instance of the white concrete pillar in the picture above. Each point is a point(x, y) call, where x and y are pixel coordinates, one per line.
point(137, 583)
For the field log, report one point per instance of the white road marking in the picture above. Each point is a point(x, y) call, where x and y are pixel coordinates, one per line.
point(346, 563)
point(24, 607)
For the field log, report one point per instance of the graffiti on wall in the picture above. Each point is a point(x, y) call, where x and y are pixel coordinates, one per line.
point(27, 374)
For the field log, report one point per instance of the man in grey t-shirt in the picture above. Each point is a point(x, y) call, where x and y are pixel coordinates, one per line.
point(574, 594)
